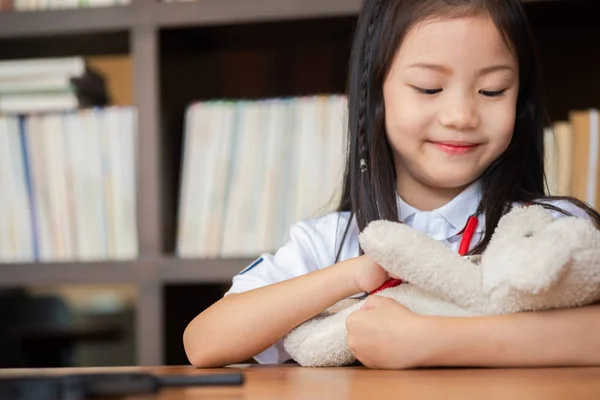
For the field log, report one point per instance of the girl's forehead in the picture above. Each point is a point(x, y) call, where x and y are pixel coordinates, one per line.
point(474, 38)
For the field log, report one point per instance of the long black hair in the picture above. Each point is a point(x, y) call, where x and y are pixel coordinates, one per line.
point(369, 182)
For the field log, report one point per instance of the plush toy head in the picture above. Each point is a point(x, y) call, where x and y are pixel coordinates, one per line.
point(533, 262)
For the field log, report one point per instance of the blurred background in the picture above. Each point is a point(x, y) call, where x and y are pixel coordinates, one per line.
point(150, 150)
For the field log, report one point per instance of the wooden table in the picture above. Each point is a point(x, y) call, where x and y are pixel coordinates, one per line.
point(292, 382)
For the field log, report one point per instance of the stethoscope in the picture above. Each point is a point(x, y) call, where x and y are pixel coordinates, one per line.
point(463, 249)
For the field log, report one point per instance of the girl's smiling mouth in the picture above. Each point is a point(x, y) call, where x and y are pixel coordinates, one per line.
point(455, 148)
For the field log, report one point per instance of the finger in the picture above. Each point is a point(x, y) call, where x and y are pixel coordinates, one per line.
point(351, 319)
point(375, 301)
point(378, 301)
point(370, 303)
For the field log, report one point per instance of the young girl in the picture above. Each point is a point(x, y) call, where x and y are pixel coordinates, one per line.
point(445, 120)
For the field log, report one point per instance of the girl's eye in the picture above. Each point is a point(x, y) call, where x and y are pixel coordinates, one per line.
point(427, 91)
point(497, 93)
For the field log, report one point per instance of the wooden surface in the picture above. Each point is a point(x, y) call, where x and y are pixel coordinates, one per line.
point(292, 382)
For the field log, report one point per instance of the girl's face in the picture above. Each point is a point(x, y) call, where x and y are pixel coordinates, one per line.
point(450, 101)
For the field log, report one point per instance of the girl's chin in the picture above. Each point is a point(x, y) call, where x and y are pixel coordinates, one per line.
point(450, 180)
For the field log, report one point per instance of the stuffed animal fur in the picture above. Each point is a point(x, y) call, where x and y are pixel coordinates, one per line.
point(533, 262)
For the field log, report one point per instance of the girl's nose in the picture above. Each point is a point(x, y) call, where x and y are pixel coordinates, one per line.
point(460, 113)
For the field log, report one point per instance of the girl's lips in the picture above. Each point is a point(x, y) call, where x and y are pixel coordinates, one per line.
point(455, 148)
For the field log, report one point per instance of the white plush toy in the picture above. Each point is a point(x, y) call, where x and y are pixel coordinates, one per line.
point(533, 262)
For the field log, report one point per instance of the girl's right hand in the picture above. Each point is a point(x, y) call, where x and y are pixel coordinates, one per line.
point(368, 275)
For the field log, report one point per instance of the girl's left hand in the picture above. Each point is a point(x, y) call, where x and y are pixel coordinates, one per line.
point(384, 334)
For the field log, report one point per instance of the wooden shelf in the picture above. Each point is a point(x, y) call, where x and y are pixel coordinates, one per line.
point(61, 22)
point(212, 12)
point(161, 15)
point(38, 274)
point(164, 270)
point(206, 271)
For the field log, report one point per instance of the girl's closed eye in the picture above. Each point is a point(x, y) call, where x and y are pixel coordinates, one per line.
point(429, 92)
point(493, 93)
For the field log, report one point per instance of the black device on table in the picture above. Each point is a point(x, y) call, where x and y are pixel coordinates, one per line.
point(89, 386)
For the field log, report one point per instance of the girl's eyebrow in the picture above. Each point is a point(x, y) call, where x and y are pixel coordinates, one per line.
point(448, 71)
point(495, 68)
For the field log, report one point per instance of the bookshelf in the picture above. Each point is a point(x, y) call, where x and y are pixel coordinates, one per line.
point(175, 47)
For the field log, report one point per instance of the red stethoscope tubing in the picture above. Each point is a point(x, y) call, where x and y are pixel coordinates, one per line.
point(467, 238)
point(463, 249)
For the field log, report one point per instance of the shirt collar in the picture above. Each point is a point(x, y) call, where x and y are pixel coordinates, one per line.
point(405, 210)
point(459, 209)
point(456, 212)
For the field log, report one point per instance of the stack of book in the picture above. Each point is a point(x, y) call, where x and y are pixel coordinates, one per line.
point(48, 85)
point(68, 186)
point(38, 5)
point(253, 168)
point(572, 153)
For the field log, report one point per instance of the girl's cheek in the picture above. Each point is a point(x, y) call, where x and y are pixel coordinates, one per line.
point(500, 123)
point(401, 125)
point(406, 113)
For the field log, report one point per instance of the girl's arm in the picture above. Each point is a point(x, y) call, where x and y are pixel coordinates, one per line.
point(568, 337)
point(240, 326)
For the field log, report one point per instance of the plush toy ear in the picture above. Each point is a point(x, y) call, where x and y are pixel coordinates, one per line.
point(530, 251)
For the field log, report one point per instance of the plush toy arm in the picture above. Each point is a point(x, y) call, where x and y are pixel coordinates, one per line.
point(424, 262)
point(422, 303)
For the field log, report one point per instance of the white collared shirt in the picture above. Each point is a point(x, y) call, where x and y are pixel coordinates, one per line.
point(314, 243)
point(446, 223)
